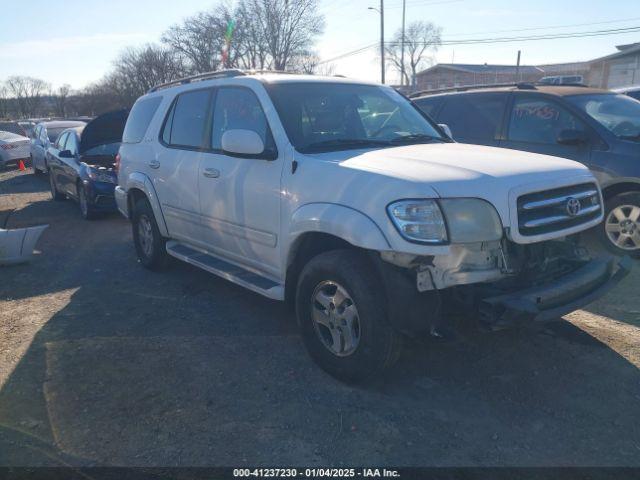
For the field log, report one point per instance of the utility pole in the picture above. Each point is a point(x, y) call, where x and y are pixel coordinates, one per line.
point(518, 68)
point(381, 12)
point(402, 74)
point(382, 41)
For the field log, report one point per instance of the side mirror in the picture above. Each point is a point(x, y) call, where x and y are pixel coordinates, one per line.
point(65, 154)
point(446, 129)
point(241, 142)
point(572, 137)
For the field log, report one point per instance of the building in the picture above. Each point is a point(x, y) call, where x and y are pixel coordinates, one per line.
point(620, 69)
point(449, 75)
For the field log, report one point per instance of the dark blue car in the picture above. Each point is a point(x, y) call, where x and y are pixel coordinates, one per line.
point(82, 163)
point(596, 127)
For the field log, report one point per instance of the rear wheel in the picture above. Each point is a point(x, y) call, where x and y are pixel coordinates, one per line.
point(150, 245)
point(55, 195)
point(342, 315)
point(620, 231)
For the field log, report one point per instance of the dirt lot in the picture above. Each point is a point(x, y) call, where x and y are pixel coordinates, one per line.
point(103, 362)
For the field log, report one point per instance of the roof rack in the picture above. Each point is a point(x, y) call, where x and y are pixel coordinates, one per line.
point(227, 73)
point(519, 85)
point(233, 72)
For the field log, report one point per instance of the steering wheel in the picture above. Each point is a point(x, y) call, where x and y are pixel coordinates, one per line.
point(625, 128)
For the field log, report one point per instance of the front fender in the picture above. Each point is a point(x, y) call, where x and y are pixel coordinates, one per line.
point(343, 222)
point(139, 181)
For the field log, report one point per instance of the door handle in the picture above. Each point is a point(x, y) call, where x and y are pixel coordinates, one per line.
point(211, 173)
point(154, 164)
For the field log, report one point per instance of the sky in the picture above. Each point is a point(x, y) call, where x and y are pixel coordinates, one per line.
point(77, 41)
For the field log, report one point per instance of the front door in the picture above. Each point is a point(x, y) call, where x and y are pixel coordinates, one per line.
point(240, 197)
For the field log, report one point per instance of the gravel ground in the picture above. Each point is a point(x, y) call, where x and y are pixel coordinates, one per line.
point(103, 362)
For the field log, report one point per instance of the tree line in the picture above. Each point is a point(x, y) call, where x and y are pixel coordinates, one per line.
point(252, 34)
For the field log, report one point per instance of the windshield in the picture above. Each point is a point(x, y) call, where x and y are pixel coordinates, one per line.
point(338, 116)
point(617, 113)
point(104, 149)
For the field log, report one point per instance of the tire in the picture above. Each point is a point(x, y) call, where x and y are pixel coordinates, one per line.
point(55, 195)
point(371, 346)
point(150, 245)
point(620, 231)
point(86, 211)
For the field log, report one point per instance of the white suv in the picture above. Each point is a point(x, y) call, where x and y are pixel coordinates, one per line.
point(342, 197)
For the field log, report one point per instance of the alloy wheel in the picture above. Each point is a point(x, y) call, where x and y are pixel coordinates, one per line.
point(145, 235)
point(623, 227)
point(335, 318)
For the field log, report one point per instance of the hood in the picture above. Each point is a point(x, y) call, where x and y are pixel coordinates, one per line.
point(449, 168)
point(104, 129)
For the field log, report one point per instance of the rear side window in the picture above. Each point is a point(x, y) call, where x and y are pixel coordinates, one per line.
point(61, 141)
point(139, 119)
point(474, 117)
point(186, 123)
point(429, 105)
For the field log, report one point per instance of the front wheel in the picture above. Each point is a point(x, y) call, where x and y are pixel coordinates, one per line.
point(55, 195)
point(150, 245)
point(86, 210)
point(620, 231)
point(342, 316)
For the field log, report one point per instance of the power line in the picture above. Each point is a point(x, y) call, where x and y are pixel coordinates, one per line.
point(476, 41)
point(546, 28)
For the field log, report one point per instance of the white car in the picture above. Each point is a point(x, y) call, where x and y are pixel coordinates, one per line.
point(341, 197)
point(45, 135)
point(13, 148)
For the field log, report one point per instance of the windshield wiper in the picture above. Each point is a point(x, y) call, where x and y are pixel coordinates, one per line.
point(344, 143)
point(415, 138)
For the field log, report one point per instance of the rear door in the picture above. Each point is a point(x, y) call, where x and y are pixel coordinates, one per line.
point(175, 168)
point(474, 117)
point(536, 121)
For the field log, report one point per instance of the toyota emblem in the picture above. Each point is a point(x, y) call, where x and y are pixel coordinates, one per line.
point(573, 207)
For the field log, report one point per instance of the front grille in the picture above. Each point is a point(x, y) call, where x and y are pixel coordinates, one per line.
point(558, 209)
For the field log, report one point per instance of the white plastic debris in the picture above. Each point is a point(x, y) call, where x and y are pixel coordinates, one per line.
point(16, 245)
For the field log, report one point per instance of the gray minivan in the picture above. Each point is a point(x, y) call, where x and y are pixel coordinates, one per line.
point(596, 127)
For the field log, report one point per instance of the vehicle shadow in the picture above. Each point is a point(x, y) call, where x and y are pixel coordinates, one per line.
point(24, 184)
point(123, 366)
point(182, 369)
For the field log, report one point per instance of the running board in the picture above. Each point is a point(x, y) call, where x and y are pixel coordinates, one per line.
point(238, 275)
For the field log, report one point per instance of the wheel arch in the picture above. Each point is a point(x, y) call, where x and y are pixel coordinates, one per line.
point(625, 186)
point(140, 186)
point(322, 227)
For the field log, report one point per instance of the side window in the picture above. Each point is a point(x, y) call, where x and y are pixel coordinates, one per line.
point(187, 120)
point(43, 135)
point(239, 108)
point(429, 105)
point(72, 143)
point(60, 144)
point(474, 116)
point(538, 120)
point(139, 119)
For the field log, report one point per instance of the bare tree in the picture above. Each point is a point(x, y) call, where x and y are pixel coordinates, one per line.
point(290, 27)
point(4, 101)
point(136, 70)
point(420, 39)
point(60, 98)
point(28, 93)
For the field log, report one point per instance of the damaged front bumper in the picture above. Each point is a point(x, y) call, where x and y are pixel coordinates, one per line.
point(557, 298)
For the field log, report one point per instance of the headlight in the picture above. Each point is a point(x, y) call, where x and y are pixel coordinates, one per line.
point(419, 220)
point(471, 220)
point(101, 176)
point(468, 220)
